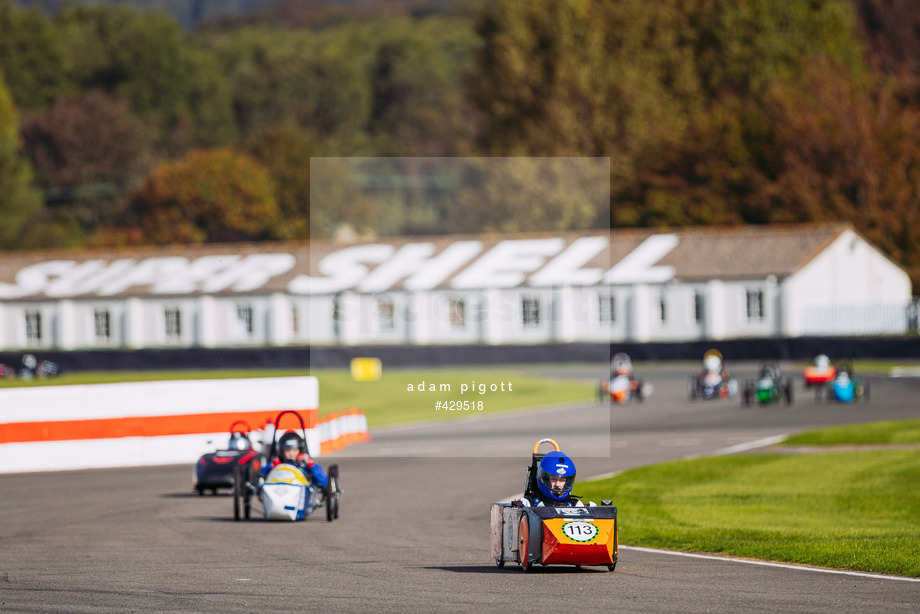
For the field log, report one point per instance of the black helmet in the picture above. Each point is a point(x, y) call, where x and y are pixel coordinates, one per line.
point(291, 441)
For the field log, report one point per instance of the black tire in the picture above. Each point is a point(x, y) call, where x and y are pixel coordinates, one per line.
point(639, 385)
point(246, 487)
point(612, 567)
point(332, 494)
point(200, 491)
point(237, 491)
point(787, 393)
point(499, 563)
point(748, 395)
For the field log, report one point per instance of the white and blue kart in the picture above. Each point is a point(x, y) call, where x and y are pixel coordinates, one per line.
point(285, 492)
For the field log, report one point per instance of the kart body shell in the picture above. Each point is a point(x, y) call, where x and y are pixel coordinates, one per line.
point(769, 387)
point(554, 535)
point(844, 388)
point(821, 373)
point(217, 470)
point(287, 494)
point(713, 381)
point(622, 386)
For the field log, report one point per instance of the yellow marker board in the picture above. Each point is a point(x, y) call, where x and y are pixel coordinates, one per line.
point(365, 369)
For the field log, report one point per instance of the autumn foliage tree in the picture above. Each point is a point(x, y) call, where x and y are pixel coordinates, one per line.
point(89, 138)
point(19, 201)
point(209, 196)
point(285, 152)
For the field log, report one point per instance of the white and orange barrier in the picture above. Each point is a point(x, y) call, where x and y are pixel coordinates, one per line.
point(139, 423)
point(341, 429)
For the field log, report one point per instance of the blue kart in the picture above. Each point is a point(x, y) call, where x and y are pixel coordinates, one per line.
point(844, 388)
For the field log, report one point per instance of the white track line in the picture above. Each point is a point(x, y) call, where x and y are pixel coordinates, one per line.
point(767, 564)
point(741, 447)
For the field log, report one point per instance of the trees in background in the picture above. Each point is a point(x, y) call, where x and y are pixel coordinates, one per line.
point(710, 112)
point(208, 196)
point(20, 203)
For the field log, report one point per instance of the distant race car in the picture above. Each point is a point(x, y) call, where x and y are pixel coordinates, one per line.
point(769, 387)
point(845, 388)
point(622, 386)
point(553, 535)
point(216, 470)
point(713, 381)
point(286, 492)
point(31, 367)
point(820, 373)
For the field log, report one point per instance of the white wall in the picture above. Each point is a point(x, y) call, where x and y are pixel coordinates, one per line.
point(850, 287)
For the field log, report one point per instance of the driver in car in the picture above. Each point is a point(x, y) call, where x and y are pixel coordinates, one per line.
point(292, 450)
point(555, 478)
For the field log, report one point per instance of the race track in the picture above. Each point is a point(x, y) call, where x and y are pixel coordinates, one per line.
point(414, 528)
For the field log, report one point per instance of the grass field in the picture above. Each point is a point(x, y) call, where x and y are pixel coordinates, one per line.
point(855, 510)
point(389, 401)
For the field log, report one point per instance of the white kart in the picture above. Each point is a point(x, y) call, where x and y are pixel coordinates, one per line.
point(285, 492)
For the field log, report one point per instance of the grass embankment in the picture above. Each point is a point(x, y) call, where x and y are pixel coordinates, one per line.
point(855, 510)
point(388, 401)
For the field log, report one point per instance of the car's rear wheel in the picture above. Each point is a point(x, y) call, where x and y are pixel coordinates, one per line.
point(524, 543)
point(237, 491)
point(787, 393)
point(246, 486)
point(820, 394)
point(332, 494)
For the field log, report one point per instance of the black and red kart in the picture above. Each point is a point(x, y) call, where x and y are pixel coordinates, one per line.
point(216, 470)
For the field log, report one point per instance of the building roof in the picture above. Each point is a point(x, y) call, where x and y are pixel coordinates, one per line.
point(417, 263)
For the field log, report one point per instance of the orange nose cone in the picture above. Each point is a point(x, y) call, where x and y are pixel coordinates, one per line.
point(579, 542)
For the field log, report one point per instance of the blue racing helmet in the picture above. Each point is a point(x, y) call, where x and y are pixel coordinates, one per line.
point(556, 476)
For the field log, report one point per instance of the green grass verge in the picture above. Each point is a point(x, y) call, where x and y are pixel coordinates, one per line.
point(853, 510)
point(875, 433)
point(387, 401)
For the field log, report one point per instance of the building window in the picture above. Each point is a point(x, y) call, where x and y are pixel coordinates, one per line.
point(33, 327)
point(698, 308)
point(244, 316)
point(102, 324)
point(456, 312)
point(386, 314)
point(662, 309)
point(530, 311)
point(606, 309)
point(173, 322)
point(754, 305)
point(337, 316)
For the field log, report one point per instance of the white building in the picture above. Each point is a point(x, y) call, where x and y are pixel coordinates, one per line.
point(598, 286)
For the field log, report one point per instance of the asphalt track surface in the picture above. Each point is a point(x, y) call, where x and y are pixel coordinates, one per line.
point(414, 528)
